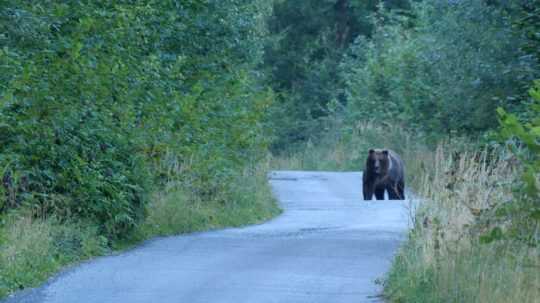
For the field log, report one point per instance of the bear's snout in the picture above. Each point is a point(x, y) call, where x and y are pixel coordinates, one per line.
point(377, 167)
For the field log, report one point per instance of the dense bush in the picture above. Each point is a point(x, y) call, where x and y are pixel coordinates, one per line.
point(442, 71)
point(99, 99)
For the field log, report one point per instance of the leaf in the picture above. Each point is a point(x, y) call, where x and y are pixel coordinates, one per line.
point(494, 235)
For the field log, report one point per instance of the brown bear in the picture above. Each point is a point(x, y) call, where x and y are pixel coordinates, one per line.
point(384, 172)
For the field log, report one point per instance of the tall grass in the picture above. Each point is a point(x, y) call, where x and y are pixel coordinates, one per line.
point(462, 190)
point(444, 259)
point(32, 249)
point(246, 200)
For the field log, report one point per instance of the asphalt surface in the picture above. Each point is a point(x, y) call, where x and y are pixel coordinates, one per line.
point(328, 246)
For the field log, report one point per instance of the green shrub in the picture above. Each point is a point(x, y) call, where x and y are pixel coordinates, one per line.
point(442, 71)
point(245, 200)
point(97, 97)
point(523, 139)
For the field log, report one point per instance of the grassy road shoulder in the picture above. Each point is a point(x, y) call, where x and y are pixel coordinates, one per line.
point(463, 246)
point(33, 249)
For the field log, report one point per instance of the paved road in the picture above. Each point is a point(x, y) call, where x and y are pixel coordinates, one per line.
point(329, 246)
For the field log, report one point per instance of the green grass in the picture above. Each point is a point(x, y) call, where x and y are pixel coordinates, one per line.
point(247, 201)
point(33, 249)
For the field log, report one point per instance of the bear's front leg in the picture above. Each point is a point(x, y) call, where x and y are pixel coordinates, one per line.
point(393, 193)
point(396, 192)
point(367, 191)
point(368, 194)
point(401, 190)
point(379, 193)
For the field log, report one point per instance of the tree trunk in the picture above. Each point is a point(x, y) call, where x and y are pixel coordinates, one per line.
point(342, 26)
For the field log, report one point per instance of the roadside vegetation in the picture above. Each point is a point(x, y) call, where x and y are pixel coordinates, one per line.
point(248, 200)
point(35, 248)
point(124, 120)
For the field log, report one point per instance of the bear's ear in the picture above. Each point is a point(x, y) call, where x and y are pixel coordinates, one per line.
point(385, 152)
point(371, 151)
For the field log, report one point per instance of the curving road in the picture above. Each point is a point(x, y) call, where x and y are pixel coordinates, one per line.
point(328, 246)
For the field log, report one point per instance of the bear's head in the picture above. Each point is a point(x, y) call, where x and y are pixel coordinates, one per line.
point(378, 161)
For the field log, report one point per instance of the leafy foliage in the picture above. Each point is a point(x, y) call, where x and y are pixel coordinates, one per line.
point(528, 22)
point(443, 75)
point(524, 142)
point(98, 100)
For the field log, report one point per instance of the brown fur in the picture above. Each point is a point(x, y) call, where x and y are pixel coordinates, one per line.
point(384, 172)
